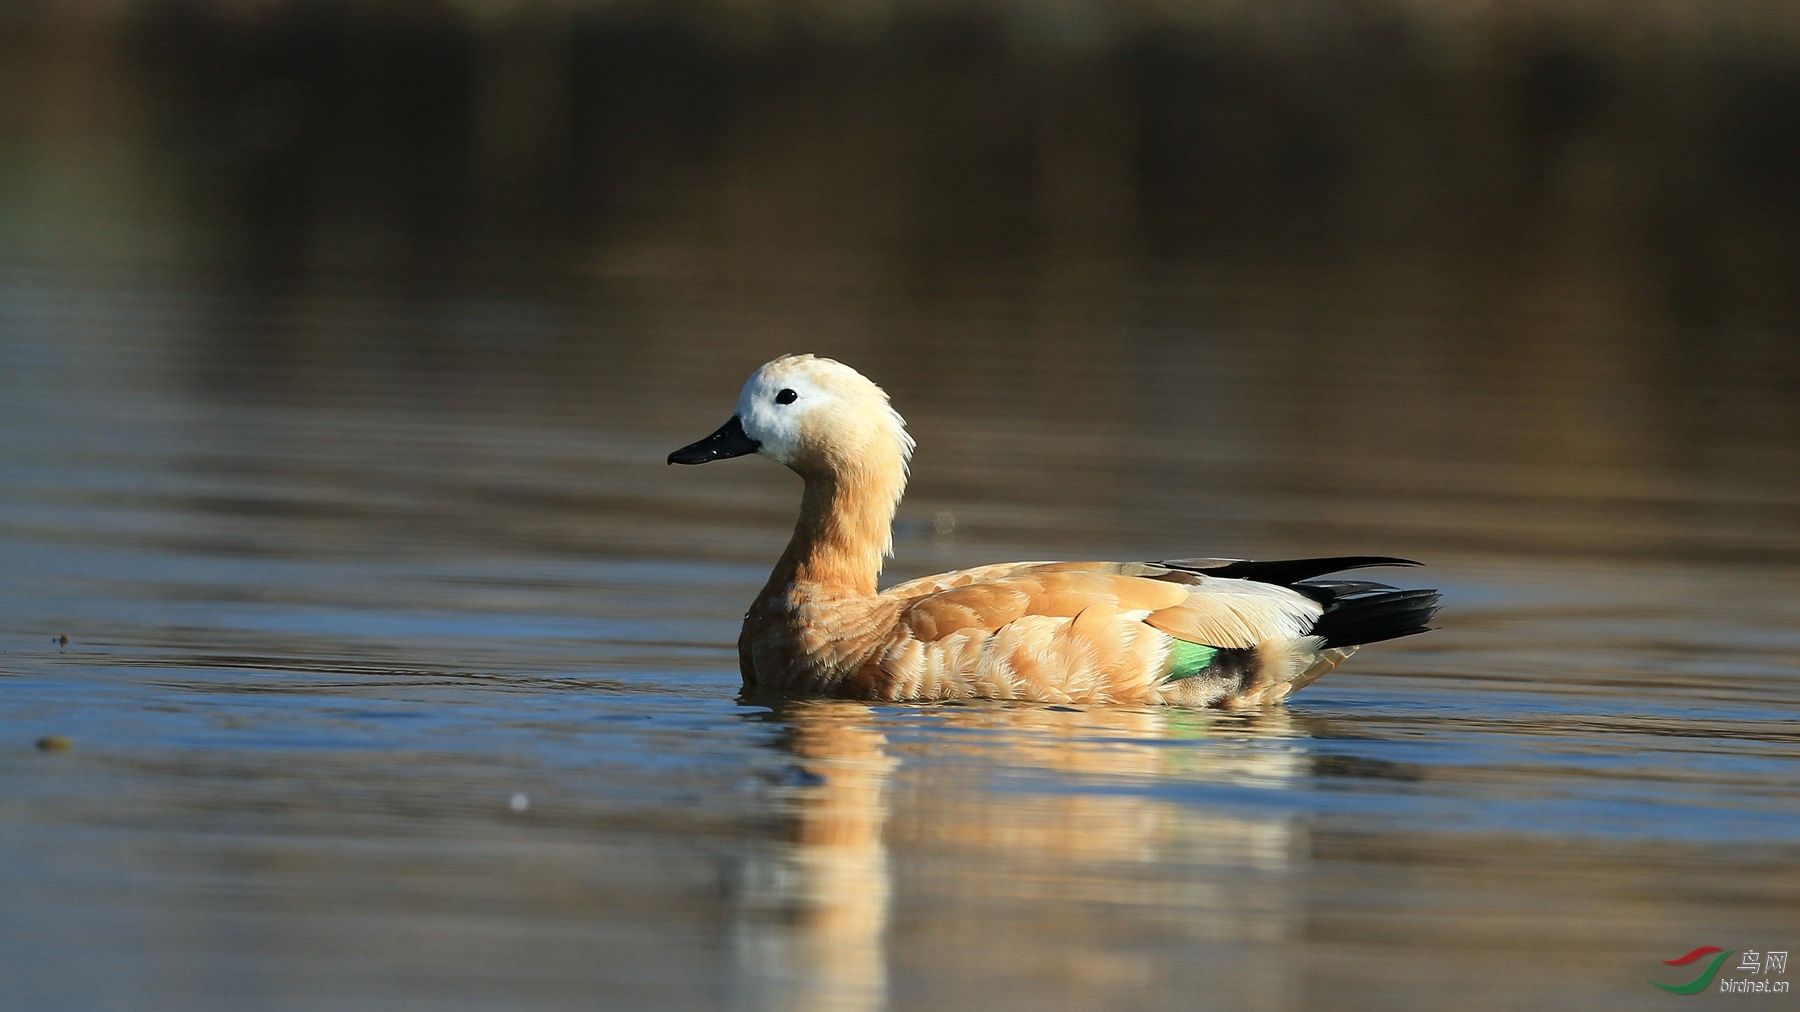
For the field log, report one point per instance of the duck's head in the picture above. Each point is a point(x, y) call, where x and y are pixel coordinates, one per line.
point(813, 414)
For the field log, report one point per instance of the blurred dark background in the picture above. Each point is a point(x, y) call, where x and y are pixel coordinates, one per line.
point(1539, 253)
point(420, 137)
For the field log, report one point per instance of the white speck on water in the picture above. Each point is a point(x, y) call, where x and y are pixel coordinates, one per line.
point(520, 801)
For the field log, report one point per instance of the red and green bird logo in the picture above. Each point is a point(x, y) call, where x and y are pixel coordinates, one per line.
point(1705, 979)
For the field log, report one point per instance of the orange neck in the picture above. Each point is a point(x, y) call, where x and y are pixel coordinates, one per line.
point(846, 520)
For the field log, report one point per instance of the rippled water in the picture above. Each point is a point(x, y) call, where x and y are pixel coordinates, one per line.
point(399, 670)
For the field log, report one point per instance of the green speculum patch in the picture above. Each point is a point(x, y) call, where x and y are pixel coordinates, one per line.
point(1189, 659)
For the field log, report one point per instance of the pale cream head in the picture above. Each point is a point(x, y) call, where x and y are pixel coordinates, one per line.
point(808, 412)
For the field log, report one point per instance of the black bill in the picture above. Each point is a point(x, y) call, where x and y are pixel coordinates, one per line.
point(729, 441)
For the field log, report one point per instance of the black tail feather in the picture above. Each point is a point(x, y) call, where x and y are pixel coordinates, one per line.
point(1283, 572)
point(1370, 613)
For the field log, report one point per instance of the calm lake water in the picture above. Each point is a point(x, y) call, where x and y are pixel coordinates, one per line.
point(400, 670)
point(340, 352)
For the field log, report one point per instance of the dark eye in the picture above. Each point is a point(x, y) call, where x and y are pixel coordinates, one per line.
point(786, 397)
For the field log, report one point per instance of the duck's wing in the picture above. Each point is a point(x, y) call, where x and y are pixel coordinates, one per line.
point(1218, 612)
point(1075, 632)
point(1182, 631)
point(1227, 603)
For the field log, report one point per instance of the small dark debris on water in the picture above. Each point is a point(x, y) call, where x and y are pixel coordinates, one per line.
point(53, 743)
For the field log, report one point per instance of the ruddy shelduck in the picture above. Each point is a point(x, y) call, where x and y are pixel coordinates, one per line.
point(1190, 632)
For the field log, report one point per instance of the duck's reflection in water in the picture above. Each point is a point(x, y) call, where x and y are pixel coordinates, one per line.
point(813, 915)
point(1091, 848)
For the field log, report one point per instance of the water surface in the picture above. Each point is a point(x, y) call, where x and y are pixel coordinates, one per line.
point(423, 693)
